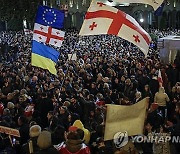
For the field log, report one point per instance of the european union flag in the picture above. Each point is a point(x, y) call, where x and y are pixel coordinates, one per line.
point(50, 17)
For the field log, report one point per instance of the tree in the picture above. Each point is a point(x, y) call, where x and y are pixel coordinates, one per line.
point(18, 10)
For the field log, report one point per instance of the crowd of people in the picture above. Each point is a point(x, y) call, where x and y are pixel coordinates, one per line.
point(66, 113)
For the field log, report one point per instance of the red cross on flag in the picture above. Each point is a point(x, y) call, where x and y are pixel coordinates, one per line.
point(104, 19)
point(48, 35)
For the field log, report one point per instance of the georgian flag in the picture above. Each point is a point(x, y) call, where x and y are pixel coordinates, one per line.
point(104, 19)
point(154, 3)
point(48, 35)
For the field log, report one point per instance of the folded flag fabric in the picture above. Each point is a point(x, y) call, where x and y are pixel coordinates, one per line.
point(48, 35)
point(50, 17)
point(103, 19)
point(121, 118)
point(44, 57)
point(154, 3)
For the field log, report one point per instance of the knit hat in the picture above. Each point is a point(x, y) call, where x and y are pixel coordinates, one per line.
point(44, 140)
point(34, 131)
point(10, 105)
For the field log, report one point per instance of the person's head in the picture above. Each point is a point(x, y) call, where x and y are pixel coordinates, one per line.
point(73, 100)
point(22, 120)
point(23, 91)
point(62, 109)
point(34, 131)
point(6, 112)
point(73, 135)
point(32, 123)
point(66, 103)
point(123, 78)
point(138, 94)
point(161, 90)
point(50, 114)
point(10, 105)
point(146, 87)
point(177, 109)
point(81, 133)
point(93, 85)
point(116, 80)
point(178, 89)
point(44, 95)
point(44, 140)
point(34, 79)
point(128, 82)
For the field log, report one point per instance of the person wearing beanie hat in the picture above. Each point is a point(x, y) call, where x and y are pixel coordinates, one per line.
point(45, 144)
point(10, 105)
point(74, 142)
point(31, 145)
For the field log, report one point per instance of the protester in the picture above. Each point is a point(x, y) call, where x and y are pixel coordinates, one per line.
point(108, 70)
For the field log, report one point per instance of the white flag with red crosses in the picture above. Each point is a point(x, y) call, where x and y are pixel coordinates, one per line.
point(103, 19)
point(48, 35)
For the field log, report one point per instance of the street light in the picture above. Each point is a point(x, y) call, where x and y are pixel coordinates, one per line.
point(141, 20)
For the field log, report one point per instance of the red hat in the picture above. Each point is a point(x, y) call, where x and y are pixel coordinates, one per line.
point(72, 128)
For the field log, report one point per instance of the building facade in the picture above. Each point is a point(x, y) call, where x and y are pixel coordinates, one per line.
point(76, 9)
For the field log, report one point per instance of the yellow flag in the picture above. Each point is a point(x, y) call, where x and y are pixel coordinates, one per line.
point(121, 118)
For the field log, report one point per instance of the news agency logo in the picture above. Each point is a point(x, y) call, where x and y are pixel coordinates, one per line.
point(120, 139)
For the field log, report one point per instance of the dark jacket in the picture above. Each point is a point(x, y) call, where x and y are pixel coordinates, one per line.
point(25, 148)
point(176, 133)
point(50, 150)
point(24, 133)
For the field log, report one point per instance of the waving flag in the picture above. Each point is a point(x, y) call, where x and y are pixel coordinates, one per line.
point(50, 17)
point(154, 3)
point(44, 57)
point(48, 35)
point(48, 20)
point(160, 80)
point(103, 19)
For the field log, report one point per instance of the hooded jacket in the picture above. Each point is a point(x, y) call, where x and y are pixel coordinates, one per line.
point(161, 97)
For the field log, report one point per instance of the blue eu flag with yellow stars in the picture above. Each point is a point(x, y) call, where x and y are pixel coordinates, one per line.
point(50, 17)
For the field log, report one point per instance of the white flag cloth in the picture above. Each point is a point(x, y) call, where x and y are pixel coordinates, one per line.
point(103, 19)
point(154, 3)
point(160, 80)
point(48, 35)
point(121, 118)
